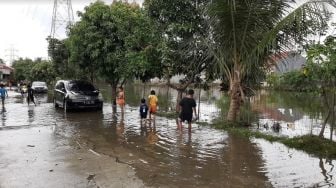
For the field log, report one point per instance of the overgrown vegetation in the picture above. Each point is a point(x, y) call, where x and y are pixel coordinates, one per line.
point(291, 81)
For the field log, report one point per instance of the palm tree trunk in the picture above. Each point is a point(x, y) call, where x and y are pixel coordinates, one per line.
point(235, 101)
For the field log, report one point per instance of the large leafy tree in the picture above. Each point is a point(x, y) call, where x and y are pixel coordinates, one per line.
point(182, 25)
point(245, 33)
point(321, 70)
point(117, 42)
point(59, 54)
point(22, 68)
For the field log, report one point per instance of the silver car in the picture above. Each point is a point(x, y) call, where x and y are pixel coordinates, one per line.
point(39, 87)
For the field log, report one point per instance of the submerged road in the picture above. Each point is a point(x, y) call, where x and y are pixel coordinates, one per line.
point(41, 146)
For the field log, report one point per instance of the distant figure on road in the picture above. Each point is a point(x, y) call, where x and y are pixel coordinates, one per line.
point(121, 98)
point(3, 94)
point(153, 103)
point(30, 96)
point(187, 107)
point(143, 111)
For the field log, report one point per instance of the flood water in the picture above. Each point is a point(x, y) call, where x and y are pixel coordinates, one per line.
point(163, 156)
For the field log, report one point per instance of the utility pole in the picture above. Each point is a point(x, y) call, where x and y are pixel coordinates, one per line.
point(61, 19)
point(11, 54)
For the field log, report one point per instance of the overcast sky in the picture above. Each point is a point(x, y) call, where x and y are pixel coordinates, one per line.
point(25, 25)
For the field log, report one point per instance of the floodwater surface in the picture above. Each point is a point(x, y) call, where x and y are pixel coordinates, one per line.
point(163, 156)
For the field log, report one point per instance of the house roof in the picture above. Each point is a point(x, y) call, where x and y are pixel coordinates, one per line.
point(5, 67)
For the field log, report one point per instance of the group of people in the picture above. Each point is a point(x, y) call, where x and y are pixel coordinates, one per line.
point(187, 107)
point(4, 94)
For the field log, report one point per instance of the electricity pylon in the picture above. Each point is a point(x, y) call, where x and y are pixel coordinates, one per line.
point(61, 19)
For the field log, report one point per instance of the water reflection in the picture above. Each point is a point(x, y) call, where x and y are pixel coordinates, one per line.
point(291, 168)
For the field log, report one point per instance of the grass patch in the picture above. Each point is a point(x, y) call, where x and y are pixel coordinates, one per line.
point(311, 144)
point(170, 115)
point(202, 123)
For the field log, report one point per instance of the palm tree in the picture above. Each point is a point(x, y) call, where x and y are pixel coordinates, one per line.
point(247, 32)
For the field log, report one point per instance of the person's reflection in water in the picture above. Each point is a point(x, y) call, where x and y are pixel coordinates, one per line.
point(3, 116)
point(121, 129)
point(152, 137)
point(31, 114)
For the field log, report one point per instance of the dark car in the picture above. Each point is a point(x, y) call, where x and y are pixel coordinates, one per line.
point(39, 87)
point(77, 94)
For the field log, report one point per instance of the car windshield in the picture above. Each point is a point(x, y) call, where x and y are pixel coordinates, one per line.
point(39, 84)
point(80, 86)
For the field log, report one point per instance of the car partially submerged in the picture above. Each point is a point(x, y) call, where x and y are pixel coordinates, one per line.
point(39, 87)
point(77, 94)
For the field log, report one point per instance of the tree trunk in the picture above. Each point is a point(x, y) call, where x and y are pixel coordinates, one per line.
point(143, 90)
point(178, 99)
point(235, 101)
point(332, 123)
point(199, 104)
point(114, 96)
point(324, 124)
point(168, 106)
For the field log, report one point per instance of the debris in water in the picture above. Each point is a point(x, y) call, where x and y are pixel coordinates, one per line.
point(79, 158)
point(91, 177)
point(94, 152)
point(51, 170)
point(31, 146)
point(143, 161)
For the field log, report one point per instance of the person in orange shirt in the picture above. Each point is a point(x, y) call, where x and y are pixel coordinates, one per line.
point(121, 98)
point(152, 103)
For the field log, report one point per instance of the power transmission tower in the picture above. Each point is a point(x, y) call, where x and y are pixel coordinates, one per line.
point(62, 18)
point(11, 54)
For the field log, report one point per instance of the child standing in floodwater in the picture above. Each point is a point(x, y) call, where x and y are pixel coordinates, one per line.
point(143, 111)
point(153, 104)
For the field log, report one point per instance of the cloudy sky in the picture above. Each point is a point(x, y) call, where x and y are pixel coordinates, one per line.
point(25, 25)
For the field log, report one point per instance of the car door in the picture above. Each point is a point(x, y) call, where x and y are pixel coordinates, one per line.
point(59, 92)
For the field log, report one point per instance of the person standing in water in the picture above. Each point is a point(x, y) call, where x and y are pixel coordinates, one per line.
point(153, 104)
point(121, 98)
point(3, 94)
point(30, 95)
point(187, 107)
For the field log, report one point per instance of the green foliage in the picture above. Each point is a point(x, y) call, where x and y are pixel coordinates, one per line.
point(59, 54)
point(22, 68)
point(182, 25)
point(321, 67)
point(117, 42)
point(27, 69)
point(291, 81)
point(43, 71)
point(246, 33)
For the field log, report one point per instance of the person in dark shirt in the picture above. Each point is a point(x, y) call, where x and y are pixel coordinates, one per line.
point(187, 107)
point(143, 111)
point(30, 96)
